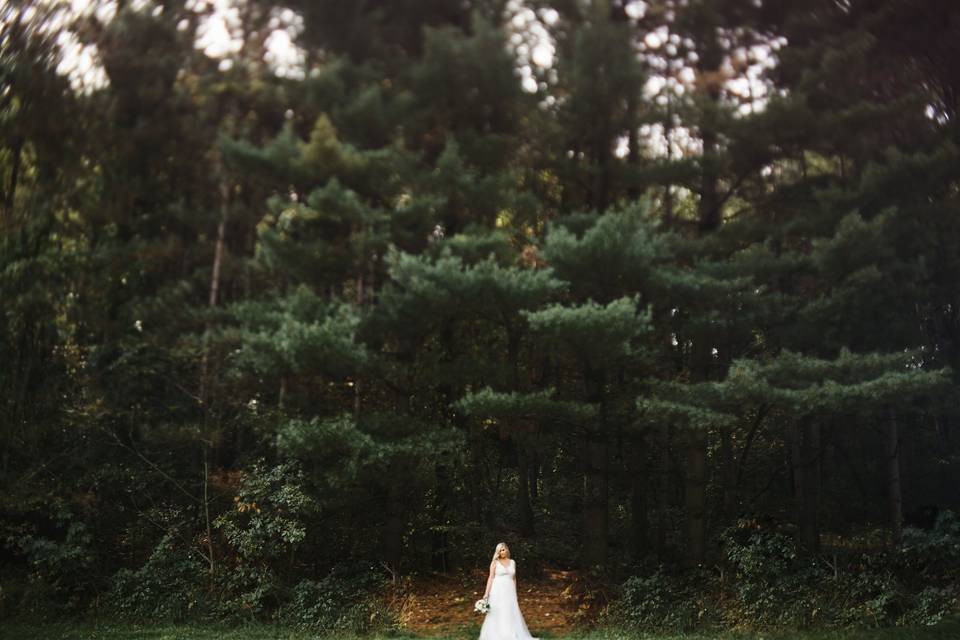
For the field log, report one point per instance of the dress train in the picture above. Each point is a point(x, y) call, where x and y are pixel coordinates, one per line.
point(504, 620)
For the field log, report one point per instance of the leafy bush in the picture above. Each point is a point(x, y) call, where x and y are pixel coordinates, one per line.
point(912, 583)
point(247, 593)
point(930, 606)
point(772, 584)
point(268, 521)
point(346, 599)
point(933, 554)
point(58, 567)
point(264, 531)
point(872, 594)
point(265, 528)
point(169, 586)
point(659, 602)
point(768, 583)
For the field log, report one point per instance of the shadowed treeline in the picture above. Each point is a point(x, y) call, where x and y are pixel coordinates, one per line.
point(664, 293)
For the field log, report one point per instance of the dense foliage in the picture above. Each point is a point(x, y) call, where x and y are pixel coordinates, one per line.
point(765, 581)
point(666, 291)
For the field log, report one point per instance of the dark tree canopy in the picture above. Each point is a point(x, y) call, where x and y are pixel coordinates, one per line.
point(609, 279)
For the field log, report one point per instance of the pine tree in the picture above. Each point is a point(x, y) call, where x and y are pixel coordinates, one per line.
point(597, 104)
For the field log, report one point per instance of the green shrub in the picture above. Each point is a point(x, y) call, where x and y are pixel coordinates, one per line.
point(168, 587)
point(912, 583)
point(347, 599)
point(246, 593)
point(930, 606)
point(268, 521)
point(873, 596)
point(660, 603)
point(933, 554)
point(265, 529)
point(768, 583)
point(773, 585)
point(59, 568)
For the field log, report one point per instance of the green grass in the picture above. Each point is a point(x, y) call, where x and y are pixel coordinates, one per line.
point(947, 631)
point(67, 631)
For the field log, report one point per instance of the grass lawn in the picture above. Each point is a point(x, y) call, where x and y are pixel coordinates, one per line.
point(86, 631)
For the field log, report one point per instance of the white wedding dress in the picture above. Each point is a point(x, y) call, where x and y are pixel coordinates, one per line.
point(504, 620)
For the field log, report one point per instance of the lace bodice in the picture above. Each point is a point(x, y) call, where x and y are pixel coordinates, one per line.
point(504, 620)
point(508, 570)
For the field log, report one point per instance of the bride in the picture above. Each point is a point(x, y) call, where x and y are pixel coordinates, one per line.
point(504, 620)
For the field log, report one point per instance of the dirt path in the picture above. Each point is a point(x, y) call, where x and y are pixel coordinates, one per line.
point(443, 605)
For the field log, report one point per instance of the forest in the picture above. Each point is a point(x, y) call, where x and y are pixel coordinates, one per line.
point(306, 305)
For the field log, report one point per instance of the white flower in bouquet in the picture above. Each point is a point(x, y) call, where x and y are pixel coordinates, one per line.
point(482, 606)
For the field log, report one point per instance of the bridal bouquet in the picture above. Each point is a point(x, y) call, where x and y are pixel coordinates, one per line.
point(482, 606)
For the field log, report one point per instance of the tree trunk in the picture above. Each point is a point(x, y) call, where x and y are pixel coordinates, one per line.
point(524, 509)
point(663, 490)
point(392, 532)
point(595, 504)
point(893, 475)
point(809, 529)
point(667, 188)
point(11, 191)
point(214, 283)
point(595, 481)
point(439, 559)
point(534, 473)
point(639, 509)
point(603, 176)
point(709, 207)
point(476, 475)
point(695, 478)
point(708, 219)
point(794, 460)
point(206, 510)
point(729, 473)
point(356, 382)
point(695, 494)
point(489, 516)
point(633, 147)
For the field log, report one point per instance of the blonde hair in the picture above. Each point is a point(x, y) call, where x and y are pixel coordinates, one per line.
point(496, 551)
